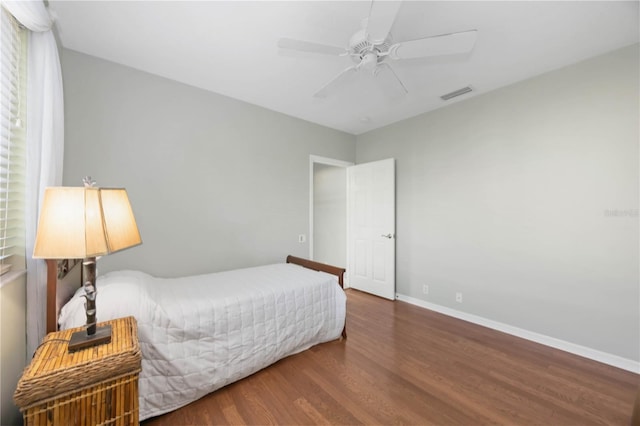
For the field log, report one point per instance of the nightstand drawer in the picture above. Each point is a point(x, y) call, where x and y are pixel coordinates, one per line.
point(92, 386)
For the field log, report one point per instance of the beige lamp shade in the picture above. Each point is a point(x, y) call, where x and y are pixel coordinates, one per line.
point(81, 222)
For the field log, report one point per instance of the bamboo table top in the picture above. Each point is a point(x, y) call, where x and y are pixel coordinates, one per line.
point(54, 371)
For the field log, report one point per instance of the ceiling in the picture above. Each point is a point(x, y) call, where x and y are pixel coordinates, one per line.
point(230, 47)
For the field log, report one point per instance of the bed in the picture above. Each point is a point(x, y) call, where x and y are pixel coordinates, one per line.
point(200, 333)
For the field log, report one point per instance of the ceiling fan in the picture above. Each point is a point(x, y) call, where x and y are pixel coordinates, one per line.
point(372, 48)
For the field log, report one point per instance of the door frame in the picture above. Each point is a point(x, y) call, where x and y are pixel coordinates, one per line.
point(329, 162)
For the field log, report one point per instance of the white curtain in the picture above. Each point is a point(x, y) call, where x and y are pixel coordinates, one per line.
point(45, 145)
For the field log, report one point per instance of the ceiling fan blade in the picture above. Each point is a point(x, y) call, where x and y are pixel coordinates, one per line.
point(381, 17)
point(308, 46)
point(440, 45)
point(390, 82)
point(337, 81)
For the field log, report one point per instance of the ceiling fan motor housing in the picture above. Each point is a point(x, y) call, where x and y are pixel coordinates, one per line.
point(361, 47)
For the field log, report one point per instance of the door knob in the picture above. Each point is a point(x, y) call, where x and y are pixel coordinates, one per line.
point(387, 236)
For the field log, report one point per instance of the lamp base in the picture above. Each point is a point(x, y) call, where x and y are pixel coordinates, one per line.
point(81, 340)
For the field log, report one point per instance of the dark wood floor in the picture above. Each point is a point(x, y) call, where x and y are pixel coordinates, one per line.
point(402, 364)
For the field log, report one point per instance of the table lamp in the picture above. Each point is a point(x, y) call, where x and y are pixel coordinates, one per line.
point(84, 223)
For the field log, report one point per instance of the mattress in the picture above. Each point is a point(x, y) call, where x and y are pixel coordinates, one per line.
point(200, 333)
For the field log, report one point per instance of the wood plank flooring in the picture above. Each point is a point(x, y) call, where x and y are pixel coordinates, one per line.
point(402, 364)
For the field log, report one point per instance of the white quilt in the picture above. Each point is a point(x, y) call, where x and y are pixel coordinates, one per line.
point(200, 333)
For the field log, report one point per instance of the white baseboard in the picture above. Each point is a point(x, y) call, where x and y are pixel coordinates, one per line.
point(583, 351)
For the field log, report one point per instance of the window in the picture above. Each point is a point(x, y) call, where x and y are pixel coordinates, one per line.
point(12, 143)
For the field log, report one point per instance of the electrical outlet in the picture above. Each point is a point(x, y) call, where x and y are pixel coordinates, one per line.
point(459, 297)
point(425, 289)
point(302, 238)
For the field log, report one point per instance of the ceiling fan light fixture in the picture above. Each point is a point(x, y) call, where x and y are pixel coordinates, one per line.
point(455, 93)
point(369, 61)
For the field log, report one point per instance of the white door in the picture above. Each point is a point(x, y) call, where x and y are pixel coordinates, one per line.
point(371, 227)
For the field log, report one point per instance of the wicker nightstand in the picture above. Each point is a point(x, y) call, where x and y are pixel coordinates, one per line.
point(92, 386)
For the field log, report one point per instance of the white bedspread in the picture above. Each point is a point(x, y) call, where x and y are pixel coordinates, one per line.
point(200, 333)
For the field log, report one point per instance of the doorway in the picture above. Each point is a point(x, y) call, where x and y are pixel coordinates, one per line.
point(328, 210)
point(352, 221)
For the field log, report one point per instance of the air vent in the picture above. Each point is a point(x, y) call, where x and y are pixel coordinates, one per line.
point(456, 93)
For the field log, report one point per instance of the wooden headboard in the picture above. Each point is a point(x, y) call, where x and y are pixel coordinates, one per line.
point(64, 277)
point(317, 266)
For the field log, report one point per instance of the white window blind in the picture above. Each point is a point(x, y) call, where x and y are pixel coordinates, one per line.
point(12, 143)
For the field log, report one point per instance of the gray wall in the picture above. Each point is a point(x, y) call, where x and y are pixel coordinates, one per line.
point(525, 199)
point(13, 345)
point(214, 183)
